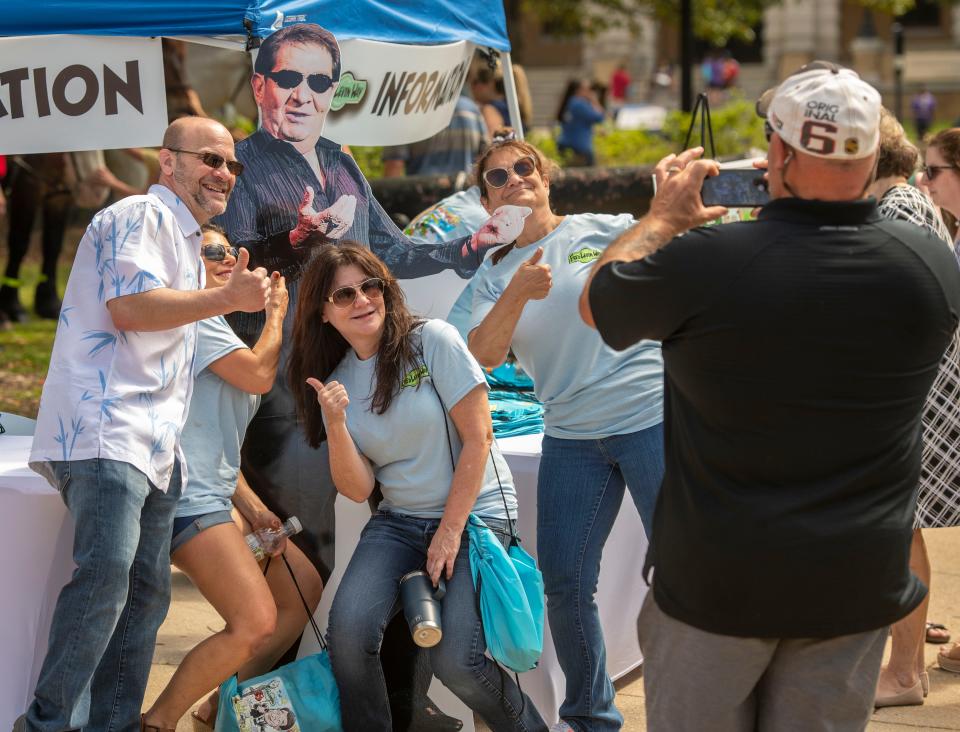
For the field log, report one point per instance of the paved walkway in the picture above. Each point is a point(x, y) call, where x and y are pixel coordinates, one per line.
point(191, 619)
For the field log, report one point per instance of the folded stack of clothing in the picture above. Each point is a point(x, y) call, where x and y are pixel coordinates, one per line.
point(514, 408)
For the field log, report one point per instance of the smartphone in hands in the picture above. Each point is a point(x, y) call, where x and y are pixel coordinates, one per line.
point(736, 188)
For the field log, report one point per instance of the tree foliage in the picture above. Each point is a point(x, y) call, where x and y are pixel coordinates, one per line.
point(716, 21)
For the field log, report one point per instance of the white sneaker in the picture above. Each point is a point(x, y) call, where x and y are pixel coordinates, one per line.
point(562, 726)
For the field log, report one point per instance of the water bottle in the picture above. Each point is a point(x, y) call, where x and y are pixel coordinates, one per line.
point(264, 541)
point(421, 607)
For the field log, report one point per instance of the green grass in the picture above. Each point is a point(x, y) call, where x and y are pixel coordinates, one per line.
point(25, 348)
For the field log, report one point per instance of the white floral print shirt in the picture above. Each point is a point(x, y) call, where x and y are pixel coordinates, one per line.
point(122, 395)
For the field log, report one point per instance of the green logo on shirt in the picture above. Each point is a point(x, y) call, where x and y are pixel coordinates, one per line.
point(415, 377)
point(582, 256)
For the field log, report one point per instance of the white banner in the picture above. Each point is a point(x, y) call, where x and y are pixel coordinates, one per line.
point(391, 94)
point(62, 93)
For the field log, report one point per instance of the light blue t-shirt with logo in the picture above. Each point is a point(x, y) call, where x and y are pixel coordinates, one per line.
point(407, 445)
point(217, 421)
point(588, 390)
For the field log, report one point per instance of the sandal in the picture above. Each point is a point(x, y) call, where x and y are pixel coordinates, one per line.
point(937, 633)
point(948, 663)
point(199, 723)
point(144, 727)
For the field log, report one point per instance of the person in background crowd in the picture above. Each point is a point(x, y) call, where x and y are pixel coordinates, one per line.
point(904, 680)
point(263, 614)
point(182, 99)
point(383, 383)
point(3, 175)
point(603, 410)
point(782, 535)
point(577, 114)
point(941, 173)
point(450, 151)
point(111, 413)
point(37, 183)
point(923, 107)
point(619, 88)
point(730, 70)
point(4, 318)
point(487, 88)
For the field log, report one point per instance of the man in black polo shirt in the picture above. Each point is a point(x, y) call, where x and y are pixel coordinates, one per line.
point(798, 350)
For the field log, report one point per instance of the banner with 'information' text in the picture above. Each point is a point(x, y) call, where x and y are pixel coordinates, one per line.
point(393, 94)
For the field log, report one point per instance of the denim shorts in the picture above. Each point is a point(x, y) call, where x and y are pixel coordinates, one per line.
point(187, 527)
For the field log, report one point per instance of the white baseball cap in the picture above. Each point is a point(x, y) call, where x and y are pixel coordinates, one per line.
point(826, 112)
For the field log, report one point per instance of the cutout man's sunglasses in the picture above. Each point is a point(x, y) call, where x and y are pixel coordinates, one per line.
point(218, 252)
point(289, 79)
point(213, 160)
point(498, 177)
point(344, 297)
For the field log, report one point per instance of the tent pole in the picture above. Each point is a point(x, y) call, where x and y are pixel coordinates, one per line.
point(511, 91)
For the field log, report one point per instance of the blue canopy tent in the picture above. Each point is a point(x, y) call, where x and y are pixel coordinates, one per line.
point(241, 23)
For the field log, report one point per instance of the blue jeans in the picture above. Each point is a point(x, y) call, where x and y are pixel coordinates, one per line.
point(579, 493)
point(106, 619)
point(390, 546)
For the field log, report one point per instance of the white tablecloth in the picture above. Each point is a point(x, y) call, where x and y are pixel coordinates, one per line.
point(619, 595)
point(36, 543)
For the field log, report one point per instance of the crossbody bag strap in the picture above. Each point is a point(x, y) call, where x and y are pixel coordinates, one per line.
point(453, 463)
point(313, 623)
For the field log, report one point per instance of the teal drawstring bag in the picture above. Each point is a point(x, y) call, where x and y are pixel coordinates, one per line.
point(510, 591)
point(300, 697)
point(508, 584)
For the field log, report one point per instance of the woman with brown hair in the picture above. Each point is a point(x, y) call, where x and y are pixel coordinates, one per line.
point(381, 386)
point(904, 681)
point(603, 408)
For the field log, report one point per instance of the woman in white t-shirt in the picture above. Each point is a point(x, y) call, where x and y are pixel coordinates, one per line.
point(264, 614)
point(381, 385)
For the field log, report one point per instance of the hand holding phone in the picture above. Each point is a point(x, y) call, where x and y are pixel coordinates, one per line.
point(736, 188)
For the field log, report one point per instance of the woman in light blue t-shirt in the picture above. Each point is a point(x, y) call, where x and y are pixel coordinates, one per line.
point(264, 615)
point(377, 384)
point(603, 409)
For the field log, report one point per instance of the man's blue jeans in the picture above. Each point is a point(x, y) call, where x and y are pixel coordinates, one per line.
point(579, 493)
point(390, 546)
point(106, 619)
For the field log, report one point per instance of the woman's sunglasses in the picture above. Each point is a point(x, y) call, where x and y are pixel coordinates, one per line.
point(213, 160)
point(344, 297)
point(930, 172)
point(498, 177)
point(289, 79)
point(217, 252)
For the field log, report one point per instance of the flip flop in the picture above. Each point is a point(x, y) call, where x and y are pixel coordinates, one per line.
point(199, 723)
point(937, 639)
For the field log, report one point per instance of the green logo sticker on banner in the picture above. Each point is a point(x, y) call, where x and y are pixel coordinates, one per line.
point(349, 91)
point(582, 256)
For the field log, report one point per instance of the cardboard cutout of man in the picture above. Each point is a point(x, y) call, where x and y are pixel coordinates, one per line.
point(300, 191)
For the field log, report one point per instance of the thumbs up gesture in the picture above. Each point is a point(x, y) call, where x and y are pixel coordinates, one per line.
point(247, 290)
point(533, 280)
point(331, 223)
point(333, 400)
